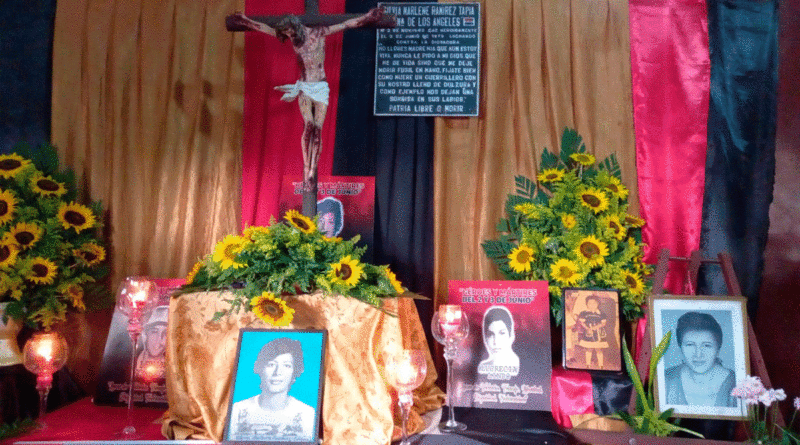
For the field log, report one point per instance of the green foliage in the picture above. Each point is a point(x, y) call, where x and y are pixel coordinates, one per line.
point(575, 204)
point(285, 260)
point(647, 420)
point(50, 253)
point(15, 428)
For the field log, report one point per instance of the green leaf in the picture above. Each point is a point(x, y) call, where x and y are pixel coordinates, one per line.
point(634, 375)
point(611, 165)
point(549, 160)
point(658, 352)
point(627, 419)
point(571, 143)
point(666, 414)
point(525, 187)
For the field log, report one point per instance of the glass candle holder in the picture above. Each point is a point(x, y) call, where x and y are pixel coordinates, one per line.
point(44, 354)
point(405, 371)
point(449, 326)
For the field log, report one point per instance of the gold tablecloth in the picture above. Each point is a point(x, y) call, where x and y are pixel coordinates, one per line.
point(358, 406)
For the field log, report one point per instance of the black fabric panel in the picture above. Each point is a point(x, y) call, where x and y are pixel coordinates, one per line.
point(740, 164)
point(611, 393)
point(398, 151)
point(26, 41)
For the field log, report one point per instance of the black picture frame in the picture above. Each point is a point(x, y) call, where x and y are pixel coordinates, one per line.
point(730, 315)
point(592, 336)
point(299, 391)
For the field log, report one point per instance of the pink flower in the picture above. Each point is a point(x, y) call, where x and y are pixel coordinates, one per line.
point(770, 396)
point(751, 391)
point(797, 403)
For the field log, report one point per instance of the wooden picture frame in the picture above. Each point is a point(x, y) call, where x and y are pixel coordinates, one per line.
point(708, 350)
point(591, 331)
point(267, 372)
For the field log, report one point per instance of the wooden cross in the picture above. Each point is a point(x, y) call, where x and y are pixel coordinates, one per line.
point(312, 17)
point(311, 91)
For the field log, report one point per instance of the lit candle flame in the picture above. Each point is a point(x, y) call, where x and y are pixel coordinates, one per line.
point(45, 349)
point(449, 318)
point(405, 372)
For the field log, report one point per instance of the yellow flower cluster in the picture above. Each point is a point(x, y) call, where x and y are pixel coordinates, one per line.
point(48, 247)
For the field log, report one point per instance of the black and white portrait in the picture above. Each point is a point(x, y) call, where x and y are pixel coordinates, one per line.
point(501, 362)
point(706, 357)
point(285, 376)
point(331, 216)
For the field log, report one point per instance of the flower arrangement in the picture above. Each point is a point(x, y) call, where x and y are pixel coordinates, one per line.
point(762, 406)
point(266, 264)
point(571, 228)
point(49, 250)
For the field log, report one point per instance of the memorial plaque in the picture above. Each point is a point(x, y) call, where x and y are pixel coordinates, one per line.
point(429, 65)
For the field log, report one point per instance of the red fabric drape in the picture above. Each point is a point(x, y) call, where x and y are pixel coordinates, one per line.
point(273, 128)
point(670, 70)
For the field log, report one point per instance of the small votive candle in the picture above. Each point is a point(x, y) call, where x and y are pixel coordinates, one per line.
point(405, 372)
point(449, 318)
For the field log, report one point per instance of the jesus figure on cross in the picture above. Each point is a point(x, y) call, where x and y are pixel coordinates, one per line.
point(311, 90)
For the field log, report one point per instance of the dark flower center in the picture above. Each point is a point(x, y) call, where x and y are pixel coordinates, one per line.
point(89, 256)
point(301, 224)
point(24, 238)
point(631, 282)
point(344, 272)
point(47, 185)
point(271, 308)
point(565, 272)
point(230, 250)
point(10, 164)
point(589, 249)
point(590, 199)
point(613, 187)
point(552, 176)
point(614, 226)
point(40, 270)
point(74, 218)
point(3, 208)
point(523, 256)
point(5, 253)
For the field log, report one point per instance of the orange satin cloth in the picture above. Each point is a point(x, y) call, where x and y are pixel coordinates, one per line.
point(358, 406)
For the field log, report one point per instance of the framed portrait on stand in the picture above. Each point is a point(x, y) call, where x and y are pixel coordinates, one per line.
point(591, 330)
point(707, 354)
point(277, 388)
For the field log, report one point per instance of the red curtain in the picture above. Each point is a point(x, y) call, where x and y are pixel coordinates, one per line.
point(272, 128)
point(671, 75)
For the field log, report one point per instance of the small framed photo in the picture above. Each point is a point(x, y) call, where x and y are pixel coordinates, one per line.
point(707, 354)
point(277, 389)
point(591, 330)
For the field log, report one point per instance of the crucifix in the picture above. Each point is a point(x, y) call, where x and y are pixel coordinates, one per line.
point(307, 35)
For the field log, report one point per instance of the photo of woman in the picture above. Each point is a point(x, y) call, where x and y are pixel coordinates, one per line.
point(701, 379)
point(273, 414)
point(498, 338)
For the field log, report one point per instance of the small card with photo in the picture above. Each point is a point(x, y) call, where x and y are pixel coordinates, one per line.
point(149, 376)
point(505, 361)
point(277, 387)
point(591, 330)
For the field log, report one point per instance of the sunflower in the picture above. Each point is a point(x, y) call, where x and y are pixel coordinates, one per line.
point(12, 164)
point(46, 186)
point(7, 206)
point(520, 259)
point(76, 216)
point(8, 253)
point(346, 271)
point(193, 273)
point(332, 239)
point(565, 272)
point(617, 229)
point(301, 222)
point(584, 159)
point(25, 234)
point(252, 231)
point(226, 250)
point(271, 309)
point(398, 287)
point(90, 253)
point(568, 220)
point(633, 221)
point(616, 188)
point(592, 251)
point(43, 271)
point(634, 283)
point(550, 175)
point(593, 199)
point(75, 295)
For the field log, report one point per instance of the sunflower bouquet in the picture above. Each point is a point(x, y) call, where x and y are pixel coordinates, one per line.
point(266, 264)
point(49, 251)
point(571, 228)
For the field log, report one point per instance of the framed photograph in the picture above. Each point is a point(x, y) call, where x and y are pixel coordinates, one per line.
point(707, 355)
point(277, 389)
point(591, 330)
